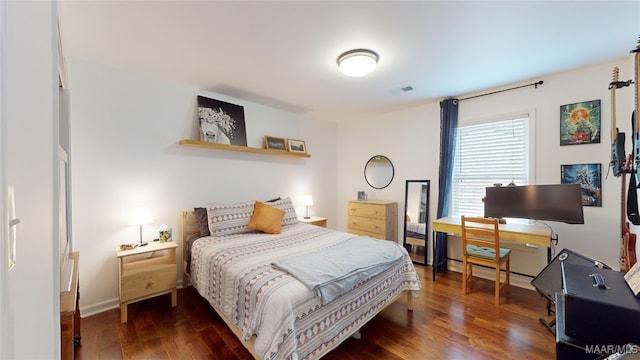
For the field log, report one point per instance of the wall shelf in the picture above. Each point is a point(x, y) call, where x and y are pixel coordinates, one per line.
point(208, 145)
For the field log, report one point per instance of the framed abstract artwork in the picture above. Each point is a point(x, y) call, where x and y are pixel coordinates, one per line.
point(580, 123)
point(589, 177)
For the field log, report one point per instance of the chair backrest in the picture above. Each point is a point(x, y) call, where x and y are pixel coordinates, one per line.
point(480, 231)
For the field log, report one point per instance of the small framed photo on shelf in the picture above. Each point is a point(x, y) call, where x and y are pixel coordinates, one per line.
point(296, 146)
point(362, 196)
point(275, 143)
point(589, 177)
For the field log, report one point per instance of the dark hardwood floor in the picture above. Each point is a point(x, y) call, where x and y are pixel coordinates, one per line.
point(444, 325)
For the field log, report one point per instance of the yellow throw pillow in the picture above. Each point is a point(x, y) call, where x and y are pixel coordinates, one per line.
point(266, 218)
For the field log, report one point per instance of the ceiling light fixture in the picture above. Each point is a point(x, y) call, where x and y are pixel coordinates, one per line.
point(358, 62)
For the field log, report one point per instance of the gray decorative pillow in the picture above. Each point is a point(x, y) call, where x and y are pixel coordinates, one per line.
point(203, 220)
point(227, 219)
point(290, 216)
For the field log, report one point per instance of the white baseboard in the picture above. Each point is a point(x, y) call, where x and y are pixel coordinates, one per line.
point(97, 308)
point(486, 273)
point(103, 306)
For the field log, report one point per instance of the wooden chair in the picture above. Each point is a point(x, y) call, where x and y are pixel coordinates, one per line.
point(481, 246)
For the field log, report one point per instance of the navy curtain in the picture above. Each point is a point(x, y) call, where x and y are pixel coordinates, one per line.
point(448, 126)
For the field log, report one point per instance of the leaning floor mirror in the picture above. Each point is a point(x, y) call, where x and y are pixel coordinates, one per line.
point(416, 215)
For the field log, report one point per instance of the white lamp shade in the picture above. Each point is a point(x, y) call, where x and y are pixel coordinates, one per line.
point(307, 200)
point(140, 216)
point(357, 63)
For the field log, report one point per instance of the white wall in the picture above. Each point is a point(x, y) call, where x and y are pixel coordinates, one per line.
point(124, 134)
point(411, 140)
point(30, 97)
point(125, 130)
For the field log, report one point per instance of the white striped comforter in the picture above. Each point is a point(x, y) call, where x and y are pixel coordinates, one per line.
point(234, 273)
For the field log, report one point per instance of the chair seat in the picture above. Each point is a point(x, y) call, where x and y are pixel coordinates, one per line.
point(485, 252)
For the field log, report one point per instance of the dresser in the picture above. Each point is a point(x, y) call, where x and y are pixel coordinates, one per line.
point(376, 219)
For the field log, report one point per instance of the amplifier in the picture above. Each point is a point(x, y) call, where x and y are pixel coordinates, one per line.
point(568, 348)
point(549, 281)
point(608, 314)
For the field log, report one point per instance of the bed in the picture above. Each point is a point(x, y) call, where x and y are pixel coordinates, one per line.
point(273, 313)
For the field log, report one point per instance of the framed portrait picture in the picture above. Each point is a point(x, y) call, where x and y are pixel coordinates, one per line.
point(580, 123)
point(221, 122)
point(362, 196)
point(589, 177)
point(296, 146)
point(275, 143)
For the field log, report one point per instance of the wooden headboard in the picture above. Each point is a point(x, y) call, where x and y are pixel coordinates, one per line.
point(190, 231)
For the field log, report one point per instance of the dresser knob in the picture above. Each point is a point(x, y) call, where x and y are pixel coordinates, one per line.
point(149, 284)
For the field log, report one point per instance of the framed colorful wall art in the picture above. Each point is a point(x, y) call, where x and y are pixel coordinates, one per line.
point(589, 177)
point(580, 123)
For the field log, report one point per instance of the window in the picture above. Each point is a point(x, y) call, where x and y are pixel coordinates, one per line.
point(486, 154)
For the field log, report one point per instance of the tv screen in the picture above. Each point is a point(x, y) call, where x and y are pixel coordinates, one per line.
point(561, 203)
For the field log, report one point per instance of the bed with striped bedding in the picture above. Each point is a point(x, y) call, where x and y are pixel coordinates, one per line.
point(275, 315)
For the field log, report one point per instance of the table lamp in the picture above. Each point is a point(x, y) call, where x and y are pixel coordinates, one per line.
point(307, 201)
point(140, 217)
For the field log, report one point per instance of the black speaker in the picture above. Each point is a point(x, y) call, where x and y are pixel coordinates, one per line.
point(549, 280)
point(599, 315)
point(567, 347)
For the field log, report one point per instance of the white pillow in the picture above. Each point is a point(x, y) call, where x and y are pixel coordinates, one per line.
point(227, 219)
point(290, 216)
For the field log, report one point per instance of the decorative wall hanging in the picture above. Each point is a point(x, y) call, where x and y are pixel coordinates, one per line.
point(589, 177)
point(580, 123)
point(221, 122)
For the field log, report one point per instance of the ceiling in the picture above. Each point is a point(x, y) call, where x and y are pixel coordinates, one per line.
point(283, 54)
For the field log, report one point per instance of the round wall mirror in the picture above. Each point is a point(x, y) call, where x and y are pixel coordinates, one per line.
point(378, 172)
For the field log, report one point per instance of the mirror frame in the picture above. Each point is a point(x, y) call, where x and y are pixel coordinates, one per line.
point(407, 245)
point(367, 165)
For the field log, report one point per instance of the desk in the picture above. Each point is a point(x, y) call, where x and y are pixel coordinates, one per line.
point(517, 233)
point(70, 314)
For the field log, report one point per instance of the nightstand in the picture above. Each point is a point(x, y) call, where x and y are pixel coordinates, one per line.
point(145, 272)
point(315, 220)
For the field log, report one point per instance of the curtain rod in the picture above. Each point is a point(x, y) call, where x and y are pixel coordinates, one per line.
point(499, 91)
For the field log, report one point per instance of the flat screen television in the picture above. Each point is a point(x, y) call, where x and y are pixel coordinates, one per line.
point(561, 203)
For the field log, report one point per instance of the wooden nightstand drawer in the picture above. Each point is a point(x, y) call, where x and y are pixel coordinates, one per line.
point(151, 280)
point(147, 271)
point(315, 220)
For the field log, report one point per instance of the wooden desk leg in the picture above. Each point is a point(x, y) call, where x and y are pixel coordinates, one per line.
point(123, 313)
point(174, 297)
point(433, 255)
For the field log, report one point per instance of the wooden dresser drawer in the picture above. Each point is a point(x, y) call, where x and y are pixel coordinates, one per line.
point(376, 219)
point(146, 281)
point(371, 225)
point(367, 210)
point(382, 236)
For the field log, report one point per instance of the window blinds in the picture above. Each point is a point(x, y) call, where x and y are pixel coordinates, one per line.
point(487, 154)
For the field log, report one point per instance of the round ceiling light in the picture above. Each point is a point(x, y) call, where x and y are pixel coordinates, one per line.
point(358, 62)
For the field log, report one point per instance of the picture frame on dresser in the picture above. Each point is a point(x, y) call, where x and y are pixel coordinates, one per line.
point(275, 143)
